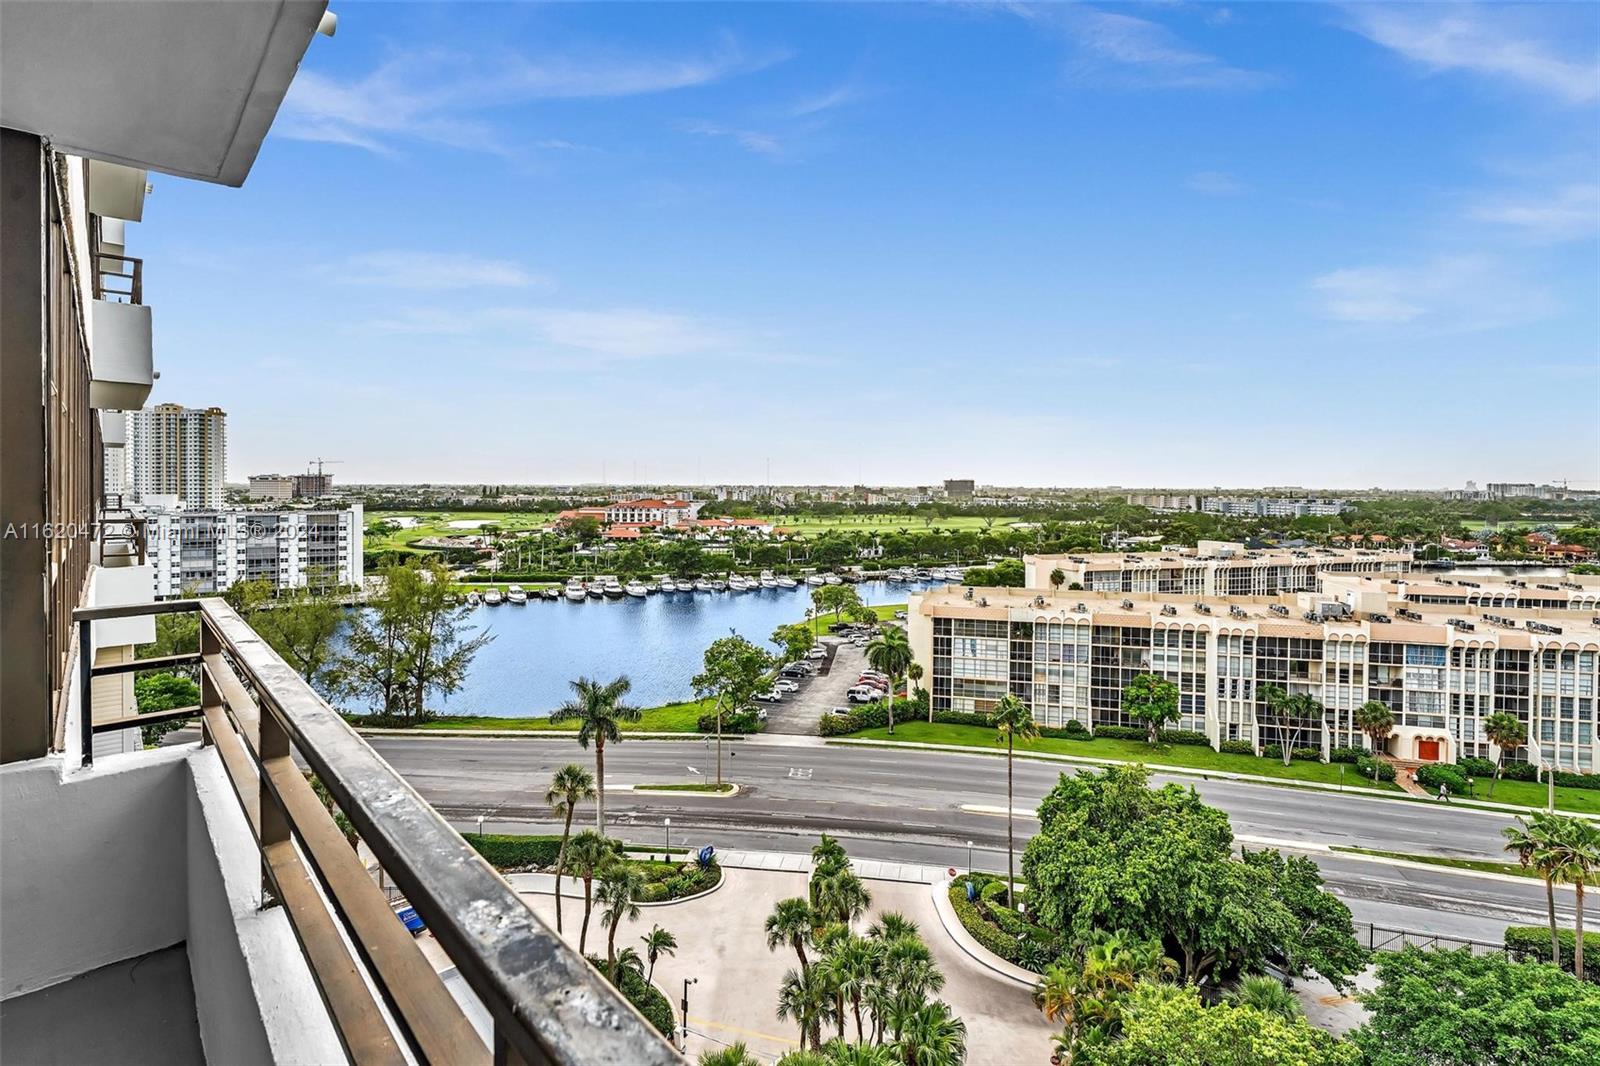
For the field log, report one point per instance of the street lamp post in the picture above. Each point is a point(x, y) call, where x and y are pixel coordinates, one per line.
point(683, 1010)
point(969, 858)
point(667, 822)
point(480, 825)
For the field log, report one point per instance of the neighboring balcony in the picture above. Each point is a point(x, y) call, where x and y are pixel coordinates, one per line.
point(215, 874)
point(121, 350)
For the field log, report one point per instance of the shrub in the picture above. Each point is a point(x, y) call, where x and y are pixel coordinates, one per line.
point(1476, 767)
point(654, 892)
point(1567, 779)
point(1366, 766)
point(1012, 923)
point(1184, 736)
point(737, 722)
point(1532, 943)
point(642, 994)
point(984, 932)
point(1432, 775)
point(506, 851)
point(1237, 747)
point(1075, 730)
point(1347, 755)
point(1520, 771)
point(1274, 751)
point(992, 891)
point(1121, 732)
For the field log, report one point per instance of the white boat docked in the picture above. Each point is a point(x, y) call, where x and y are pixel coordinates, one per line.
point(832, 579)
point(636, 589)
point(575, 591)
point(702, 585)
point(473, 599)
point(668, 585)
point(516, 594)
point(768, 581)
point(612, 589)
point(719, 585)
point(815, 579)
point(595, 589)
point(551, 593)
point(492, 598)
point(787, 582)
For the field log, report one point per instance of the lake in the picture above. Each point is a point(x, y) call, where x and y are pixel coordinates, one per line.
point(657, 641)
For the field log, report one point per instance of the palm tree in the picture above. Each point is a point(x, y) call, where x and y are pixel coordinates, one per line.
point(658, 942)
point(599, 712)
point(842, 898)
point(791, 922)
point(1266, 994)
point(1507, 733)
point(735, 1054)
point(1012, 719)
point(589, 852)
point(892, 925)
point(1376, 721)
point(910, 976)
point(1529, 840)
point(1058, 577)
point(570, 786)
point(890, 651)
point(804, 997)
point(1573, 852)
point(628, 959)
point(838, 1053)
point(853, 963)
point(931, 1036)
point(619, 883)
point(914, 675)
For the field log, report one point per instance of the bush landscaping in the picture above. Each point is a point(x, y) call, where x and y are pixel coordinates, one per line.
point(646, 997)
point(1532, 943)
point(1001, 930)
point(513, 853)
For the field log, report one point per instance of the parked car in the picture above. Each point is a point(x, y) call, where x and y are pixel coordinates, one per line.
point(817, 653)
point(863, 694)
point(840, 710)
point(783, 684)
point(772, 695)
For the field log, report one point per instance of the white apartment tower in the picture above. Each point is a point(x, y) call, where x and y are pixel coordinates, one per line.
point(177, 451)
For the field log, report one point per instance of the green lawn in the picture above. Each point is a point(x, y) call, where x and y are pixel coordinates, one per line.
point(819, 626)
point(1483, 865)
point(881, 523)
point(1534, 794)
point(686, 786)
point(672, 718)
point(437, 524)
point(1192, 756)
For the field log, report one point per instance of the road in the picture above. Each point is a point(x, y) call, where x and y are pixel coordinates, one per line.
point(916, 806)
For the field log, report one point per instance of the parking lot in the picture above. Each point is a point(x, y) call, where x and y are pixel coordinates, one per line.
point(798, 712)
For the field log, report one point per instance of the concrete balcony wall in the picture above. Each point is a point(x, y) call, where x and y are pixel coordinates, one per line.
point(114, 586)
point(114, 429)
point(122, 356)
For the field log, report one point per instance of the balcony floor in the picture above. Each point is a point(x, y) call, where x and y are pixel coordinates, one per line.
point(135, 1011)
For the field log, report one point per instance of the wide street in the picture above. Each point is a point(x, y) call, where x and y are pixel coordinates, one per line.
point(924, 806)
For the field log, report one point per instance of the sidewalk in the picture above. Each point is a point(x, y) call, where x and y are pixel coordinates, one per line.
point(866, 869)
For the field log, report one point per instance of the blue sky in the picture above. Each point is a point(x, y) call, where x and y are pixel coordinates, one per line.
point(1149, 244)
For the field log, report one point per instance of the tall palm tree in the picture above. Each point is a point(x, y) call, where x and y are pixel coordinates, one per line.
point(1529, 840)
point(600, 713)
point(1013, 720)
point(890, 651)
point(589, 853)
point(892, 925)
point(1507, 733)
point(570, 786)
point(791, 922)
point(853, 963)
point(842, 898)
point(930, 1035)
point(658, 942)
point(910, 975)
point(1266, 994)
point(1573, 852)
point(805, 998)
point(628, 959)
point(914, 675)
point(619, 883)
point(838, 1053)
point(1376, 721)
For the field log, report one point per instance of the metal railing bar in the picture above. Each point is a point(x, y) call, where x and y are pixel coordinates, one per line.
point(237, 763)
point(134, 610)
point(128, 721)
point(550, 1003)
point(419, 1000)
point(155, 662)
point(240, 708)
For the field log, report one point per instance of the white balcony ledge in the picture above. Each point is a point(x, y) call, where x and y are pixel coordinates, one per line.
point(121, 356)
point(114, 429)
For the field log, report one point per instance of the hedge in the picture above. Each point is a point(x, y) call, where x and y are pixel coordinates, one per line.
point(1347, 755)
point(1567, 779)
point(746, 721)
point(1237, 747)
point(985, 933)
point(505, 851)
point(1520, 771)
point(1431, 775)
point(1367, 766)
point(642, 994)
point(1475, 766)
point(1532, 943)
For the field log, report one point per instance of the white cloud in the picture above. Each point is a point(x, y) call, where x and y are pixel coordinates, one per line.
point(624, 333)
point(1213, 183)
point(750, 140)
point(1450, 294)
point(432, 270)
point(432, 95)
point(1569, 213)
point(1140, 53)
point(1479, 40)
point(836, 97)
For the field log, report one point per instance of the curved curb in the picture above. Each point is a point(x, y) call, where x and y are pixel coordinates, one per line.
point(1009, 971)
point(636, 789)
point(722, 880)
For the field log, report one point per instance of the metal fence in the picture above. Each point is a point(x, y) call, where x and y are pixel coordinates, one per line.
point(1380, 938)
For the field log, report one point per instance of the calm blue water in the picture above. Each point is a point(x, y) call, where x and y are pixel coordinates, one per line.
point(657, 641)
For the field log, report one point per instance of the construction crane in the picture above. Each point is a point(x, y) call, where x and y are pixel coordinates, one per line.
point(320, 461)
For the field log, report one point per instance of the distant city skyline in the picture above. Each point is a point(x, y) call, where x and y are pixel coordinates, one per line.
point(1140, 245)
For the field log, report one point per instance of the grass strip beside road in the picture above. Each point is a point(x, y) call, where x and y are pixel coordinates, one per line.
point(671, 718)
point(1534, 794)
point(1480, 865)
point(686, 786)
point(1189, 756)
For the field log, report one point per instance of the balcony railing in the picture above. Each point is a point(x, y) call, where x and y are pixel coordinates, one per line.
point(118, 278)
point(383, 996)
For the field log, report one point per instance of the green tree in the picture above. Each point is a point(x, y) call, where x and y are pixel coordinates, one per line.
point(1507, 733)
point(373, 668)
point(795, 640)
point(890, 652)
point(589, 853)
point(1289, 716)
point(1085, 993)
point(854, 964)
point(683, 557)
point(1376, 721)
point(163, 692)
point(1151, 699)
point(1454, 1008)
point(1058, 577)
point(600, 714)
point(435, 653)
point(299, 623)
point(841, 897)
point(570, 786)
point(1013, 720)
point(658, 942)
point(834, 598)
point(733, 671)
point(1529, 840)
point(1164, 1025)
point(791, 923)
point(735, 1054)
point(585, 529)
point(1322, 937)
point(619, 883)
point(931, 1035)
point(1572, 851)
point(805, 998)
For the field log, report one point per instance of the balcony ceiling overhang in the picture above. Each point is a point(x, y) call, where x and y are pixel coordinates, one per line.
point(185, 88)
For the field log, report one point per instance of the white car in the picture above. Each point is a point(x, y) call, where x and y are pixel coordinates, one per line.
point(783, 684)
point(817, 653)
point(772, 695)
point(865, 694)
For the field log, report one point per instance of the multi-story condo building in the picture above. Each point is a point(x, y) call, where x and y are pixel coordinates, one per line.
point(204, 552)
point(958, 488)
point(177, 451)
point(196, 902)
point(272, 488)
point(313, 486)
point(1441, 656)
point(1210, 568)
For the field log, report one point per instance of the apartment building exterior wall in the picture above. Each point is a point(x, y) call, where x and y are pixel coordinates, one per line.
point(272, 487)
point(208, 551)
point(1213, 568)
point(1441, 670)
point(177, 451)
